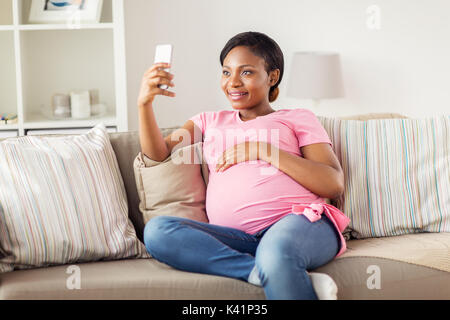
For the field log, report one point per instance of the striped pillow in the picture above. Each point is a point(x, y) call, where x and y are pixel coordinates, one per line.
point(62, 200)
point(396, 174)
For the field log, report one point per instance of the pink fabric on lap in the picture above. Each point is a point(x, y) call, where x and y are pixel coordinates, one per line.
point(314, 211)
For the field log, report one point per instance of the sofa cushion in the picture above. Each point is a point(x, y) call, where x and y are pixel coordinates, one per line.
point(62, 200)
point(396, 174)
point(347, 233)
point(354, 273)
point(411, 266)
point(126, 146)
point(371, 116)
point(173, 187)
point(356, 279)
point(430, 250)
point(123, 279)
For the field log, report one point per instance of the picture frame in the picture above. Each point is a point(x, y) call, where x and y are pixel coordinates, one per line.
point(65, 11)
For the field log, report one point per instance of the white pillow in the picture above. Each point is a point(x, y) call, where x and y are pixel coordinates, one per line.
point(63, 200)
point(396, 174)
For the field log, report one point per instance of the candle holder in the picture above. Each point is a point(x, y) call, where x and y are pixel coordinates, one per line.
point(80, 104)
point(61, 106)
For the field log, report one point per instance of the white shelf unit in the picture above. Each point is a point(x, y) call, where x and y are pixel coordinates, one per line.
point(40, 60)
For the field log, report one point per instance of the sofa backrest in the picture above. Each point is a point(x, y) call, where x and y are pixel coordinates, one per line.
point(126, 146)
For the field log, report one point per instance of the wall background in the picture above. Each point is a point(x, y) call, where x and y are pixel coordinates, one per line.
point(403, 67)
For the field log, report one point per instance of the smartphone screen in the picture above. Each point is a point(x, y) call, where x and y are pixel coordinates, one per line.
point(163, 53)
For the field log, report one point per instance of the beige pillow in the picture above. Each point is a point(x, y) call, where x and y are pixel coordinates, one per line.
point(174, 187)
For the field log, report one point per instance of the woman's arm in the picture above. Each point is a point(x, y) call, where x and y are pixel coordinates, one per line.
point(153, 145)
point(319, 171)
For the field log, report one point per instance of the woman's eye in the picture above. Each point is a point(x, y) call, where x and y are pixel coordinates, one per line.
point(226, 72)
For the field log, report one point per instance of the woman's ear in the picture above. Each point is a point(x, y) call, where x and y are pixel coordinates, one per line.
point(274, 75)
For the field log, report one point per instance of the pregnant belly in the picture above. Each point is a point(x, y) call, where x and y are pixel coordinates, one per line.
point(247, 196)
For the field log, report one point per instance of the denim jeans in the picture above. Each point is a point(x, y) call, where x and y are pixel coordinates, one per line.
point(282, 252)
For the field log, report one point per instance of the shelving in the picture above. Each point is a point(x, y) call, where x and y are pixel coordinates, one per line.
point(8, 134)
point(105, 18)
point(40, 60)
point(64, 27)
point(8, 74)
point(6, 13)
point(77, 130)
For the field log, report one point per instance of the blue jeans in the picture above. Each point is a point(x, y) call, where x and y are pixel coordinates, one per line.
point(282, 252)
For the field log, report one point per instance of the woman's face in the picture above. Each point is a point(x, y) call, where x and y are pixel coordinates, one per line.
point(245, 81)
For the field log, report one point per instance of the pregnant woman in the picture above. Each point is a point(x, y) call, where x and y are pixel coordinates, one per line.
point(270, 171)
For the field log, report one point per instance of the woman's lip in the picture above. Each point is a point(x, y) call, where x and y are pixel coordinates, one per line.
point(236, 96)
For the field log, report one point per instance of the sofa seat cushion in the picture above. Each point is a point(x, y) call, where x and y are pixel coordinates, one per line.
point(123, 279)
point(412, 266)
point(424, 249)
point(408, 266)
point(355, 279)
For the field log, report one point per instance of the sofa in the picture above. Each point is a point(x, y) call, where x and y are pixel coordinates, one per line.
point(409, 266)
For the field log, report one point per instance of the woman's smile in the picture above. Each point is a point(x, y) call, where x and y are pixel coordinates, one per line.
point(237, 95)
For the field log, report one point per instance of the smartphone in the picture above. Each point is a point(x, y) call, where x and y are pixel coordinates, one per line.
point(163, 53)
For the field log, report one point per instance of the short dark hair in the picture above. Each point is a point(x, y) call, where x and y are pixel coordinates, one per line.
point(262, 46)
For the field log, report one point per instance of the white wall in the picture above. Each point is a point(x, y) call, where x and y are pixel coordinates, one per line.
point(403, 67)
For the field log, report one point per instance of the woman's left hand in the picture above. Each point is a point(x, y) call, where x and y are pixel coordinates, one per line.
point(242, 152)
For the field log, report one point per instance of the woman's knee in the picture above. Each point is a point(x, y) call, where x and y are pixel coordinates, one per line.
point(277, 249)
point(277, 257)
point(284, 246)
point(155, 232)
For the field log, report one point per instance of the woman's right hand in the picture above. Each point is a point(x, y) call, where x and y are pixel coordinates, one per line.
point(149, 85)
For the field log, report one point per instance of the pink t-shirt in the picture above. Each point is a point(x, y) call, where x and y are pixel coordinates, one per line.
point(252, 195)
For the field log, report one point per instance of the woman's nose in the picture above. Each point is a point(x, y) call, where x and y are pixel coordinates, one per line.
point(235, 81)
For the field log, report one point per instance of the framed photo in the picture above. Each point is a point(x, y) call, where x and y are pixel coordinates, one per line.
point(65, 11)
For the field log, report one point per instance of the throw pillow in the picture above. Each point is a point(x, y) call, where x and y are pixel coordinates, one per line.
point(62, 200)
point(396, 174)
point(173, 187)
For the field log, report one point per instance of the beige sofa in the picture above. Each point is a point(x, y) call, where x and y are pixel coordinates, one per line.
point(404, 267)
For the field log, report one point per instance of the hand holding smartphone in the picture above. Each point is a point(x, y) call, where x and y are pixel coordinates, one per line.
point(163, 53)
point(157, 79)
